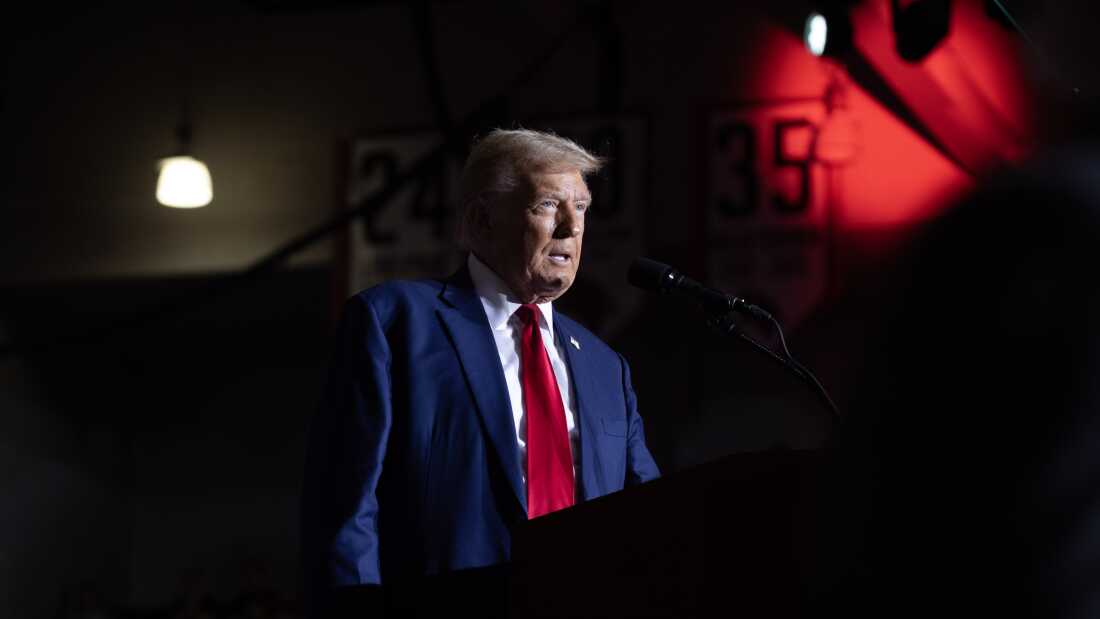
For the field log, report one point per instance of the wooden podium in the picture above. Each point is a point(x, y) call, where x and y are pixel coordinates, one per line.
point(729, 538)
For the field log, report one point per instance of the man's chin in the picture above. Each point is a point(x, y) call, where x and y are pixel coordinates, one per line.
point(551, 288)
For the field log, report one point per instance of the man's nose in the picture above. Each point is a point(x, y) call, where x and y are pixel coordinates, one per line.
point(570, 222)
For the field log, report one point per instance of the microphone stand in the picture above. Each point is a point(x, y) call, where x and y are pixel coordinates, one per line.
point(725, 324)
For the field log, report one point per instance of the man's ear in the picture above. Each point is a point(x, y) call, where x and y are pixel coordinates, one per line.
point(474, 223)
point(480, 218)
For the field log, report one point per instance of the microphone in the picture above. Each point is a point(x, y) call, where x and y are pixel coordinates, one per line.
point(661, 278)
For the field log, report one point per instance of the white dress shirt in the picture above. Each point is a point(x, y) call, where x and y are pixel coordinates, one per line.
point(500, 307)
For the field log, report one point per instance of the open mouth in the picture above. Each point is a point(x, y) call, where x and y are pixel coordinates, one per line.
point(560, 258)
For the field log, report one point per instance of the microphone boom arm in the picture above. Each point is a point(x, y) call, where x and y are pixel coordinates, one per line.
point(723, 322)
point(720, 307)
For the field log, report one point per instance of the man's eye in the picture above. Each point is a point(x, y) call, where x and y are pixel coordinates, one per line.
point(547, 204)
point(582, 207)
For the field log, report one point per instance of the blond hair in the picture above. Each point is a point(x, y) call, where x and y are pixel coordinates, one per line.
point(498, 162)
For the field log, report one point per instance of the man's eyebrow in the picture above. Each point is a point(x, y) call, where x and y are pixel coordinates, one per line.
point(561, 195)
point(549, 193)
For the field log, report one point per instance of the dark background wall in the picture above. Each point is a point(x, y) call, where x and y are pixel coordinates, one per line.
point(144, 458)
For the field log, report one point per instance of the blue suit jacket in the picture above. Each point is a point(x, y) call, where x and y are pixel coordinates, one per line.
point(413, 466)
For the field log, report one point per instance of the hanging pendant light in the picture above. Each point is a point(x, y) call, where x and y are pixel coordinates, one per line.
point(184, 181)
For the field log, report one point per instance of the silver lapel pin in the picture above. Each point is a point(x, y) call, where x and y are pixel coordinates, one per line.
point(574, 342)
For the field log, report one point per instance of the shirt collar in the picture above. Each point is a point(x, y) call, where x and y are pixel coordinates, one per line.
point(497, 299)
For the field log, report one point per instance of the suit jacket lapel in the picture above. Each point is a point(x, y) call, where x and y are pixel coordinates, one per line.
point(468, 327)
point(592, 478)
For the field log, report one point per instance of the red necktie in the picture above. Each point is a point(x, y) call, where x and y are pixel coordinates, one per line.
point(549, 461)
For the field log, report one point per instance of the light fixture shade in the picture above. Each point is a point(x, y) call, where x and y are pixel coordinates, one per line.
point(184, 182)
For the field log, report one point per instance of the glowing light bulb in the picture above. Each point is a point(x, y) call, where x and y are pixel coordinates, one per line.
point(184, 182)
point(816, 33)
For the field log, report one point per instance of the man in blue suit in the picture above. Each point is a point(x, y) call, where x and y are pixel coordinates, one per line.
point(457, 408)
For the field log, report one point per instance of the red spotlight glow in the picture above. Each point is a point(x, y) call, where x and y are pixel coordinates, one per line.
point(891, 175)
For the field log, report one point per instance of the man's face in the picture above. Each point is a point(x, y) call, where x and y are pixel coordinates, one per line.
point(533, 235)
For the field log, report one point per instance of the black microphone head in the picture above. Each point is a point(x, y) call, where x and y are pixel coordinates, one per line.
point(651, 275)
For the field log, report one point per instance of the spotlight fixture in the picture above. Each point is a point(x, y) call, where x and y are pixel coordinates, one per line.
point(919, 26)
point(184, 181)
point(828, 32)
point(816, 33)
